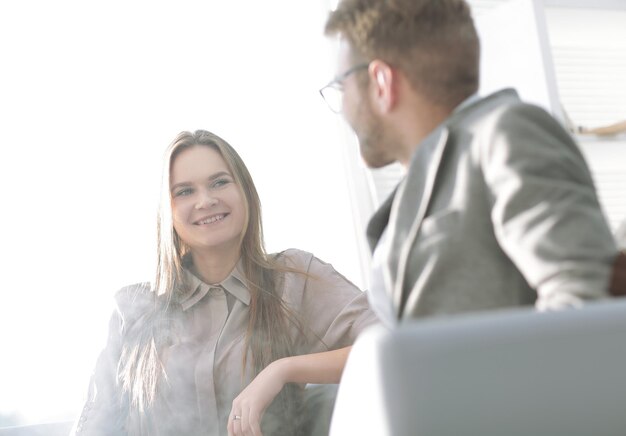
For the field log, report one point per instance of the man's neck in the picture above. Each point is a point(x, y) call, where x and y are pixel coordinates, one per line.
point(416, 123)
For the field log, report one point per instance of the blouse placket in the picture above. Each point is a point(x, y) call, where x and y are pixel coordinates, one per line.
point(204, 371)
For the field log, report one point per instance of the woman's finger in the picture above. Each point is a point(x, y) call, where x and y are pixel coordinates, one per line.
point(250, 423)
point(234, 424)
point(245, 422)
point(254, 423)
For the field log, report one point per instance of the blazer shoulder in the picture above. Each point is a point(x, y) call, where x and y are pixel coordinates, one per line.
point(528, 120)
point(505, 115)
point(522, 109)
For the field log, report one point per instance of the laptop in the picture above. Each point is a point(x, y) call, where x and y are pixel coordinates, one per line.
point(503, 373)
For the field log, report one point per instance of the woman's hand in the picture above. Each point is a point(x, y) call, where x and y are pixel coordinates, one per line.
point(249, 406)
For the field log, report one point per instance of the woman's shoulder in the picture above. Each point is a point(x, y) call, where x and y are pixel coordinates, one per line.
point(305, 262)
point(294, 258)
point(132, 300)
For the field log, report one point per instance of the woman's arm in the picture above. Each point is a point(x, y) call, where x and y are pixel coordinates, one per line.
point(104, 412)
point(319, 368)
point(250, 404)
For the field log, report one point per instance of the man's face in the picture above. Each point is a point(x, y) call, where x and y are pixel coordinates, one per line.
point(359, 112)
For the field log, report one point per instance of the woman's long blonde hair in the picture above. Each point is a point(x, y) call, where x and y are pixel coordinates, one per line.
point(141, 369)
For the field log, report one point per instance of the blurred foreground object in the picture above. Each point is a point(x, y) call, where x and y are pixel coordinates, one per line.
point(514, 372)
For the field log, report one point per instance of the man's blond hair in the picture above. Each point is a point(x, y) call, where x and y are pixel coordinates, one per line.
point(434, 42)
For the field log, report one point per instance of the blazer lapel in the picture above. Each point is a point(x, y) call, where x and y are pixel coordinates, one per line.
point(378, 222)
point(411, 207)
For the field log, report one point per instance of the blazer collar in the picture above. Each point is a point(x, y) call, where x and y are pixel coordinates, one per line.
point(475, 102)
point(378, 222)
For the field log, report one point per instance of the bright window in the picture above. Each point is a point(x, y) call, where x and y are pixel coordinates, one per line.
point(91, 93)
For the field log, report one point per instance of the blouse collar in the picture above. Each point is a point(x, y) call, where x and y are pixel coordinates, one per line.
point(195, 289)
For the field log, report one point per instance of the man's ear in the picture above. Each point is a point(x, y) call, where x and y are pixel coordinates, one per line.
point(383, 85)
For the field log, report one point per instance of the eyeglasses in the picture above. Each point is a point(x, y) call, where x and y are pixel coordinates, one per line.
point(332, 93)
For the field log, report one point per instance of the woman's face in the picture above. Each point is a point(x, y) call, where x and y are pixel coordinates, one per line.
point(208, 207)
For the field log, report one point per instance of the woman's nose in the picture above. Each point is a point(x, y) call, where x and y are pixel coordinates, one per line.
point(206, 201)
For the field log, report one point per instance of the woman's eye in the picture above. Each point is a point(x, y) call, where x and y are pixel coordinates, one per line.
point(219, 183)
point(182, 192)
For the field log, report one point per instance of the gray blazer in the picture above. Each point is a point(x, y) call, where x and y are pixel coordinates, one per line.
point(498, 209)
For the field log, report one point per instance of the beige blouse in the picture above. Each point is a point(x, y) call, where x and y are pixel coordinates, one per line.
point(204, 366)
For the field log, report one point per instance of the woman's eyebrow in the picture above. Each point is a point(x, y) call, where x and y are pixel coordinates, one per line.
point(211, 177)
point(219, 174)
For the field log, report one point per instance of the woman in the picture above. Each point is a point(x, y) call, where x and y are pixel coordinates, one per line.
point(226, 336)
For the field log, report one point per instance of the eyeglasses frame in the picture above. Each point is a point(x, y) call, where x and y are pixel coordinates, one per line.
point(337, 82)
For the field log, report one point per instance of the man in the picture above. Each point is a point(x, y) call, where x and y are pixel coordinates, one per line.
point(498, 207)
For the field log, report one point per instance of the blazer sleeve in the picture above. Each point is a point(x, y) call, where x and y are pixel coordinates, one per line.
point(105, 410)
point(333, 311)
point(545, 210)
